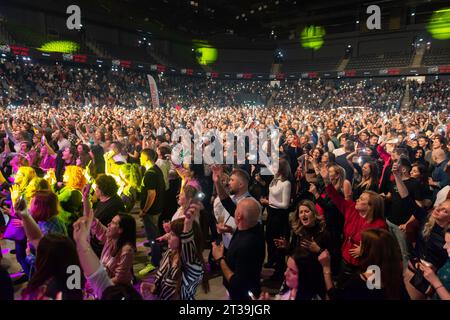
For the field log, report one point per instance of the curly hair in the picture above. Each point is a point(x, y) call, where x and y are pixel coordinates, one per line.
point(107, 185)
point(75, 177)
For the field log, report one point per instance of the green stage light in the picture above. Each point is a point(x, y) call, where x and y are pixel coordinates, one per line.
point(205, 53)
point(60, 46)
point(312, 37)
point(439, 24)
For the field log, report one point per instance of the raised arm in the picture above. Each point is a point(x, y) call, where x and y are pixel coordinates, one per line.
point(383, 153)
point(32, 230)
point(335, 197)
point(88, 259)
point(80, 135)
point(418, 212)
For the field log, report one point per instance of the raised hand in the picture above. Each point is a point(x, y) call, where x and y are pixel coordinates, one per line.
point(395, 169)
point(81, 230)
point(15, 192)
point(325, 259)
point(428, 272)
point(86, 191)
point(217, 172)
point(217, 250)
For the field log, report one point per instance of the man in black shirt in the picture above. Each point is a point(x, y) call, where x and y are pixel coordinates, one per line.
point(396, 213)
point(109, 204)
point(243, 262)
point(152, 201)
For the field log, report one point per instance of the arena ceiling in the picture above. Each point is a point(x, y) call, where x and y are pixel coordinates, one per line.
point(252, 19)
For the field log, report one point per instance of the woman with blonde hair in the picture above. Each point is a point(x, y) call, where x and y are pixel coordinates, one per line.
point(70, 196)
point(309, 238)
point(340, 183)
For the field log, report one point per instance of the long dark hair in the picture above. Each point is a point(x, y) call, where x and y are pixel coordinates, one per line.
point(380, 248)
point(128, 235)
point(423, 173)
point(310, 279)
point(176, 227)
point(284, 171)
point(55, 253)
point(373, 175)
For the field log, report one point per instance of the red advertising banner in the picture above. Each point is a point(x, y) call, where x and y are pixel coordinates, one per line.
point(82, 58)
point(18, 50)
point(444, 69)
point(394, 72)
point(350, 73)
point(125, 63)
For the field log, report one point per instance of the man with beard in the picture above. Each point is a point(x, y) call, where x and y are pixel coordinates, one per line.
point(238, 188)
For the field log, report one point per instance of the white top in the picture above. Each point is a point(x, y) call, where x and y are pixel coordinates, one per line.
point(227, 219)
point(100, 281)
point(179, 214)
point(338, 152)
point(441, 196)
point(63, 143)
point(164, 165)
point(119, 158)
point(280, 194)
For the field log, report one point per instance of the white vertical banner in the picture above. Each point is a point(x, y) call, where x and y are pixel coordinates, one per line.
point(153, 91)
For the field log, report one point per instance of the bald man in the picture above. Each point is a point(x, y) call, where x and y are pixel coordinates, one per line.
point(243, 262)
point(439, 178)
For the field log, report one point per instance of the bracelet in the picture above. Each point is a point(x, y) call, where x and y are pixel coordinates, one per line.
point(438, 287)
point(221, 258)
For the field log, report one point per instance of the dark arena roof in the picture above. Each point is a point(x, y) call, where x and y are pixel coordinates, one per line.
point(242, 37)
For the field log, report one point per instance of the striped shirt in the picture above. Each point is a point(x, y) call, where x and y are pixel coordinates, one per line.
point(189, 269)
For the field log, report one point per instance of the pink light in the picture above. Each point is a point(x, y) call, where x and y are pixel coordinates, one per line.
point(16, 275)
point(5, 251)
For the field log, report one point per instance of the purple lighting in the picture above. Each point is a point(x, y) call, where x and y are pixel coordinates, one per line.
point(16, 275)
